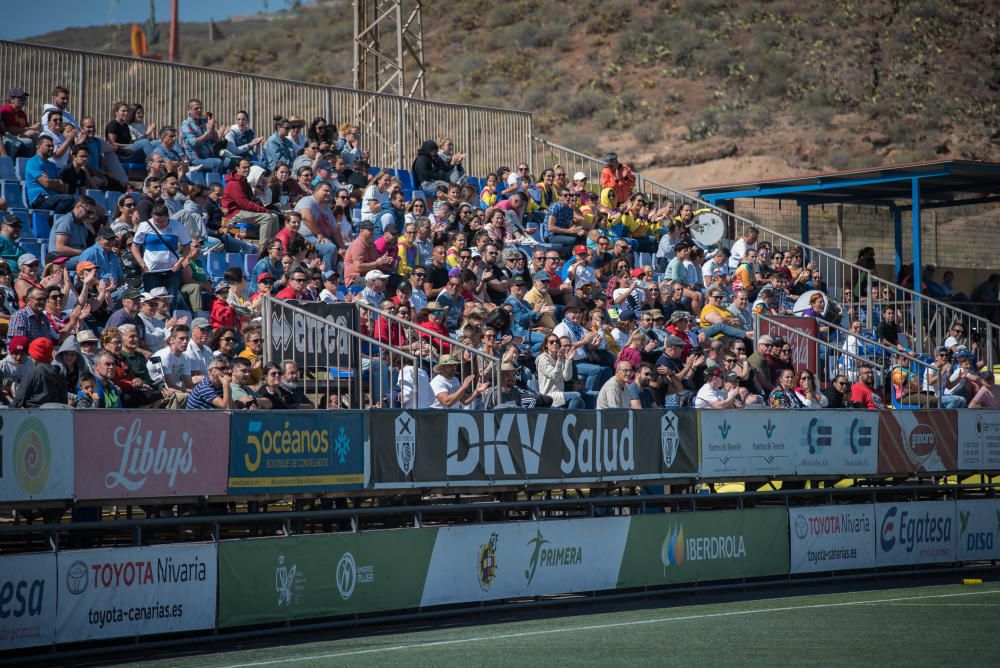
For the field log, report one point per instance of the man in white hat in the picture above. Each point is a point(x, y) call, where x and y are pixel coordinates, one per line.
point(374, 290)
point(449, 391)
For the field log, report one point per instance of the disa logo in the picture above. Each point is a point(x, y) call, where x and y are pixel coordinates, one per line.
point(672, 548)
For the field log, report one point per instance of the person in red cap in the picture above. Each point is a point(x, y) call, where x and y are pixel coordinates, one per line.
point(17, 363)
point(44, 384)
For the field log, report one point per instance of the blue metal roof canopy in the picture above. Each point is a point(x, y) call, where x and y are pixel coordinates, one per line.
point(912, 186)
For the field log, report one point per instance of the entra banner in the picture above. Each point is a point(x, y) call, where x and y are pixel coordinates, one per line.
point(469, 448)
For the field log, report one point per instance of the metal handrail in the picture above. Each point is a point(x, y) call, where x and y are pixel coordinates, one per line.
point(848, 268)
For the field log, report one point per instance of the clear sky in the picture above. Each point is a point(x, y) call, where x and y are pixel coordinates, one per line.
point(21, 19)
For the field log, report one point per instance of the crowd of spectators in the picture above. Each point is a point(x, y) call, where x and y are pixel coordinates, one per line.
point(543, 271)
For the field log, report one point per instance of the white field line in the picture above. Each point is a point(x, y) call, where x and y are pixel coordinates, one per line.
point(594, 627)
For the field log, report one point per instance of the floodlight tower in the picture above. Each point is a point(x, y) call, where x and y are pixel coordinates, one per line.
point(389, 47)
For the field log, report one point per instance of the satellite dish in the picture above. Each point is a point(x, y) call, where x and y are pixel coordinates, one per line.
point(708, 229)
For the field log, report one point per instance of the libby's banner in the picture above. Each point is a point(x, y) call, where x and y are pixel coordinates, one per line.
point(136, 591)
point(978, 440)
point(36, 455)
point(27, 600)
point(917, 441)
point(469, 448)
point(296, 451)
point(741, 443)
point(143, 454)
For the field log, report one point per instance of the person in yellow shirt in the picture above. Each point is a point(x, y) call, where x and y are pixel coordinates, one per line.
point(715, 319)
point(540, 294)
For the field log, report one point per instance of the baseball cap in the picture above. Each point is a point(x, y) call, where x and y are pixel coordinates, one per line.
point(731, 377)
point(12, 220)
point(636, 273)
point(27, 258)
point(220, 286)
point(330, 275)
point(200, 323)
point(626, 315)
point(675, 341)
point(132, 293)
point(714, 372)
point(677, 316)
point(375, 275)
point(579, 176)
point(266, 276)
point(105, 233)
point(518, 280)
point(578, 250)
point(18, 344)
point(84, 266)
point(16, 92)
point(541, 275)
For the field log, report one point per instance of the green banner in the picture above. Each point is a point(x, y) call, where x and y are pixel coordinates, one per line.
point(303, 577)
point(705, 545)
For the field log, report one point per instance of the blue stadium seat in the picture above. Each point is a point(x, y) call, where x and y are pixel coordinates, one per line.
point(197, 178)
point(98, 196)
point(24, 215)
point(407, 178)
point(234, 260)
point(111, 200)
point(12, 193)
point(32, 246)
point(41, 223)
point(249, 260)
point(212, 178)
point(216, 264)
point(372, 171)
point(407, 194)
point(20, 165)
point(7, 170)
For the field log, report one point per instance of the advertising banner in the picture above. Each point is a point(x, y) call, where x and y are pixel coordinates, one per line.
point(27, 600)
point(978, 440)
point(750, 443)
point(705, 545)
point(292, 335)
point(918, 532)
point(296, 451)
point(831, 538)
point(496, 561)
point(917, 441)
point(133, 591)
point(979, 529)
point(837, 442)
point(301, 577)
point(36, 455)
point(148, 454)
point(805, 351)
point(467, 448)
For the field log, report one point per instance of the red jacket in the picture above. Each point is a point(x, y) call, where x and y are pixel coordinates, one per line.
point(238, 196)
point(223, 315)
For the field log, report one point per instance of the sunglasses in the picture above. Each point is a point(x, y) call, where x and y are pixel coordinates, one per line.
point(228, 338)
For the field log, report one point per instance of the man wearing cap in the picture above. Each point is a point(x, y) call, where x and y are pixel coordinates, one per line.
point(578, 186)
point(128, 314)
point(43, 384)
point(540, 300)
point(198, 352)
point(448, 390)
point(362, 256)
point(31, 320)
point(16, 136)
point(712, 394)
point(617, 176)
point(373, 293)
point(388, 245)
point(582, 341)
point(42, 184)
point(525, 318)
point(759, 362)
point(10, 232)
point(102, 254)
point(510, 395)
point(155, 326)
point(17, 363)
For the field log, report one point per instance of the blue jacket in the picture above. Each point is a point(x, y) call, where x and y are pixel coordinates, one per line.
point(107, 263)
point(277, 149)
point(522, 316)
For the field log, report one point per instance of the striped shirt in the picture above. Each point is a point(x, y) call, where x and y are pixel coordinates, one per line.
point(202, 395)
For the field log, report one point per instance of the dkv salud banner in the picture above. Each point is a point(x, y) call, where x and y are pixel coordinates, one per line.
point(136, 591)
point(148, 454)
point(36, 455)
point(296, 451)
point(831, 538)
point(27, 600)
point(470, 448)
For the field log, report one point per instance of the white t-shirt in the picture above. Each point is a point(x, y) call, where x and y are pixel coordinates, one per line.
point(441, 384)
point(200, 356)
point(707, 394)
point(328, 297)
point(372, 193)
point(562, 330)
point(160, 251)
point(425, 393)
point(177, 366)
point(737, 252)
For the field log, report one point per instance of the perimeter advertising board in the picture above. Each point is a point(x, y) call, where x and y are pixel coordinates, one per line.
point(497, 561)
point(466, 448)
point(136, 591)
point(788, 442)
point(27, 600)
point(919, 532)
point(148, 454)
point(36, 455)
point(979, 440)
point(797, 331)
point(301, 577)
point(296, 451)
point(293, 336)
point(979, 529)
point(701, 546)
point(831, 538)
point(917, 441)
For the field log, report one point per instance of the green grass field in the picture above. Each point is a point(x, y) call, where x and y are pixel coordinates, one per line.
point(922, 626)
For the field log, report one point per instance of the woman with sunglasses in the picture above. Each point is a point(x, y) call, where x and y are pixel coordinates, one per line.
point(281, 398)
point(223, 343)
point(431, 317)
point(28, 265)
point(555, 368)
point(807, 391)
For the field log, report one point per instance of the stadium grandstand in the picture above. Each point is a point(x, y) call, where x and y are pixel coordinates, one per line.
point(234, 306)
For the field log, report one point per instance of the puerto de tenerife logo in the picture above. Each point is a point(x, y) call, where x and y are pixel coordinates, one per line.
point(32, 455)
point(406, 442)
point(486, 564)
point(672, 547)
point(288, 582)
